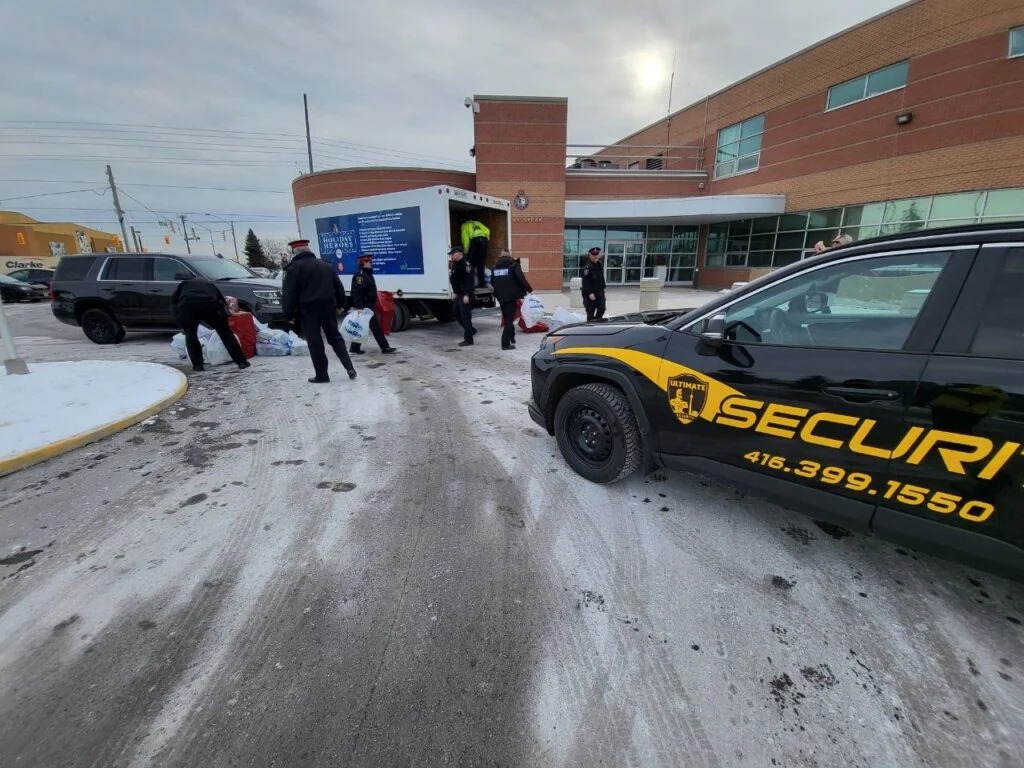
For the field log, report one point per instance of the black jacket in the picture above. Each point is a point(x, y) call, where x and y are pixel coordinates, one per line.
point(593, 279)
point(197, 292)
point(309, 280)
point(508, 281)
point(364, 290)
point(462, 278)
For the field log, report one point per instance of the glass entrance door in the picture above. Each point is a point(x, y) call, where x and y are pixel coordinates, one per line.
point(624, 262)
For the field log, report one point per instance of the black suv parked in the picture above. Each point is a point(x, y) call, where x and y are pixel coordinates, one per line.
point(879, 385)
point(109, 294)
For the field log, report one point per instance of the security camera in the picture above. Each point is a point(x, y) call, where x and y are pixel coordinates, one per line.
point(468, 102)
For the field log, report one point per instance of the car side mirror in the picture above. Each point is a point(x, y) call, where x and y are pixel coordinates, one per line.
point(714, 331)
point(182, 276)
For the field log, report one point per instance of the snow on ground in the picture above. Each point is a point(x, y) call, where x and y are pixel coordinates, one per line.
point(62, 400)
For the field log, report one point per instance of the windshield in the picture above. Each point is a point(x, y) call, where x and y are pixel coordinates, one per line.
point(221, 269)
point(8, 279)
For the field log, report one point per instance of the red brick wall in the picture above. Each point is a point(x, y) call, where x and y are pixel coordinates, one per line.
point(583, 187)
point(966, 96)
point(520, 147)
point(346, 183)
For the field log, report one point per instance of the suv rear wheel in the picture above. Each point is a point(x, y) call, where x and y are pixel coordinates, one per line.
point(597, 433)
point(100, 327)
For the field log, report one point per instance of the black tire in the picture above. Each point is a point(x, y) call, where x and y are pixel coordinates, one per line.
point(100, 327)
point(403, 315)
point(597, 433)
point(9, 297)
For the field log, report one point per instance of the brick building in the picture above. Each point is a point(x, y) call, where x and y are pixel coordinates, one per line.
point(26, 242)
point(911, 120)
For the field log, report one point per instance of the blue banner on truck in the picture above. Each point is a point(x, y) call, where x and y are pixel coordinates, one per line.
point(392, 237)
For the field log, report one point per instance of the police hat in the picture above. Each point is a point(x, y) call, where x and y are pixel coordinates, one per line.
point(595, 251)
point(456, 249)
point(365, 257)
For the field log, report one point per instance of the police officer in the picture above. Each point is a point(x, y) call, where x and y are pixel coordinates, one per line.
point(593, 286)
point(364, 296)
point(198, 301)
point(313, 294)
point(462, 279)
point(510, 285)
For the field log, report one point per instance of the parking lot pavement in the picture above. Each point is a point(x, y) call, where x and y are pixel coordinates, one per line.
point(401, 570)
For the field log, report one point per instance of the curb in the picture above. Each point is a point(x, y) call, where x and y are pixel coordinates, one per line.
point(37, 455)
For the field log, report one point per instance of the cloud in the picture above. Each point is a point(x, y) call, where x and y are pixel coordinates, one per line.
point(388, 77)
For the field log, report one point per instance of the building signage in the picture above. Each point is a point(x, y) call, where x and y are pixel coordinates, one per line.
point(521, 201)
point(392, 237)
point(83, 241)
point(25, 264)
point(527, 219)
point(56, 249)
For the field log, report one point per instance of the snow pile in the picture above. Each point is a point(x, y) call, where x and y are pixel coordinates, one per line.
point(57, 401)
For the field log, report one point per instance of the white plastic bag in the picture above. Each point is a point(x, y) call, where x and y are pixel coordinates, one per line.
point(214, 351)
point(355, 328)
point(562, 316)
point(178, 346)
point(532, 310)
point(271, 348)
point(298, 347)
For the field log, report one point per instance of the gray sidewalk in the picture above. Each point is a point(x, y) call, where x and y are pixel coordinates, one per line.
point(626, 298)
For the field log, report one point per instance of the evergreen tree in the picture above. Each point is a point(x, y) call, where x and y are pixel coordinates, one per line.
point(255, 257)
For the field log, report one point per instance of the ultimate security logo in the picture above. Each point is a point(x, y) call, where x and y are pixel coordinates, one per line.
point(687, 396)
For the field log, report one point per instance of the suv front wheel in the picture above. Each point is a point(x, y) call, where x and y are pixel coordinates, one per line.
point(100, 327)
point(597, 433)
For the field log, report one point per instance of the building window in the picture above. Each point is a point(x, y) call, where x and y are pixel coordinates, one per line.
point(864, 87)
point(739, 148)
point(1017, 42)
point(654, 163)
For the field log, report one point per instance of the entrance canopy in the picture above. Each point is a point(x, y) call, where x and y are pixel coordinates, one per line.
point(675, 210)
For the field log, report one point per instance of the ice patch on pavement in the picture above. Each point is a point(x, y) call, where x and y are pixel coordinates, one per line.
point(63, 400)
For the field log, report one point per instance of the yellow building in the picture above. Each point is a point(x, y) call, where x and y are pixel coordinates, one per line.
point(26, 242)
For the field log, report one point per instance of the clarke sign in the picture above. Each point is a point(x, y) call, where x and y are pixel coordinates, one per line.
point(25, 264)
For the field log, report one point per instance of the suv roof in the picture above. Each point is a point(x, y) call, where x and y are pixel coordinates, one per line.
point(999, 231)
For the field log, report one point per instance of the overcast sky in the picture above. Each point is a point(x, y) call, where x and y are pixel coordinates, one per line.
point(386, 82)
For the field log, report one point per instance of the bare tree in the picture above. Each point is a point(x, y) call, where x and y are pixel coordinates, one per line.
point(274, 248)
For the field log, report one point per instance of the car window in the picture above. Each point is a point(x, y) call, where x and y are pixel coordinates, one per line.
point(21, 274)
point(1001, 327)
point(127, 268)
point(74, 269)
point(867, 303)
point(167, 270)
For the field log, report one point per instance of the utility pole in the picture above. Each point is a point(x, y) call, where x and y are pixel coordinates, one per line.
point(137, 239)
point(234, 240)
point(185, 233)
point(117, 207)
point(309, 143)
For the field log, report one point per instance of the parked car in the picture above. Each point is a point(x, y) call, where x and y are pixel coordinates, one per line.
point(41, 277)
point(109, 295)
point(878, 386)
point(13, 290)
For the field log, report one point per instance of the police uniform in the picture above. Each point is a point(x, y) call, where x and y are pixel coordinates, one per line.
point(593, 283)
point(313, 293)
point(510, 285)
point(198, 301)
point(461, 278)
point(364, 296)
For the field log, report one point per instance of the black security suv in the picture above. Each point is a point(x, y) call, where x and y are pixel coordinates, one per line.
point(880, 385)
point(108, 294)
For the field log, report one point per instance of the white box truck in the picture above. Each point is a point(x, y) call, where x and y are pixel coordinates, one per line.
point(409, 235)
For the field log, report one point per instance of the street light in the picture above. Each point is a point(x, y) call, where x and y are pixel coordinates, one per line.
point(233, 238)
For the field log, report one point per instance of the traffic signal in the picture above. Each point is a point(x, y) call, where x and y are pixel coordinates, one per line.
point(21, 238)
point(167, 239)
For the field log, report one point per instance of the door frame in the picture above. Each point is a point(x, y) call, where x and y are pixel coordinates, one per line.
point(622, 268)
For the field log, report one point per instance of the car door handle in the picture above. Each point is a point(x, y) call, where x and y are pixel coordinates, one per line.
point(861, 394)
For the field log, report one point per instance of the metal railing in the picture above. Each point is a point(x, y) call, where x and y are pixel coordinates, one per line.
point(635, 158)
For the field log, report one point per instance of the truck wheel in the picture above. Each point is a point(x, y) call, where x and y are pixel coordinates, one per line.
point(100, 327)
point(597, 433)
point(402, 317)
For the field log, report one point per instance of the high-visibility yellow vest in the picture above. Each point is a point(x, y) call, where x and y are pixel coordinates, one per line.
point(473, 229)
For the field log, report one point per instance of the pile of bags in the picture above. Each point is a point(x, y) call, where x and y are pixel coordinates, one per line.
point(533, 317)
point(268, 342)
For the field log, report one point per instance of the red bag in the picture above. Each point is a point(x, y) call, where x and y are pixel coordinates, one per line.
point(385, 310)
point(243, 326)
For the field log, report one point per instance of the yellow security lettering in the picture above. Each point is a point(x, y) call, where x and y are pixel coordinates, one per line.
point(776, 420)
point(857, 444)
point(998, 461)
point(807, 433)
point(960, 449)
point(739, 412)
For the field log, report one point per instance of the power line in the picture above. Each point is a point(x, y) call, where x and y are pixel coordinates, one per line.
point(101, 190)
